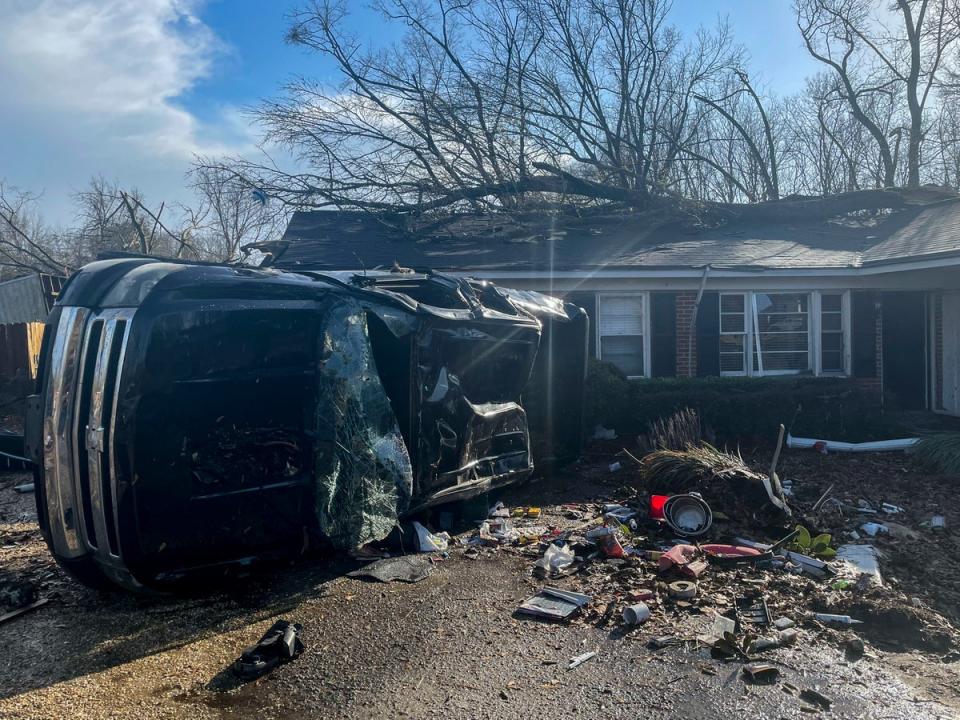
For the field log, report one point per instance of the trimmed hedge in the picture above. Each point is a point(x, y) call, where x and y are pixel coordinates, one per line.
point(739, 410)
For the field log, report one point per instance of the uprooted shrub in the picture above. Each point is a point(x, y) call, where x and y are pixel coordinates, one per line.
point(676, 432)
point(939, 453)
point(723, 479)
point(739, 410)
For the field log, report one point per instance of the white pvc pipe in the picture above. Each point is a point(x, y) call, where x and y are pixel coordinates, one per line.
point(835, 446)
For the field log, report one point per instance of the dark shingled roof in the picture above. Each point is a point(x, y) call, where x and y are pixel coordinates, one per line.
point(338, 240)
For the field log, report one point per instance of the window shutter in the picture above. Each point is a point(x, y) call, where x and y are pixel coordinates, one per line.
point(863, 325)
point(708, 335)
point(588, 301)
point(663, 334)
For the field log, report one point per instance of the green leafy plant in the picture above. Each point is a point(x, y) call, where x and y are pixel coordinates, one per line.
point(818, 546)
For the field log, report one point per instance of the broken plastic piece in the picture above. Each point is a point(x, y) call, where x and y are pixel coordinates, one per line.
point(763, 673)
point(430, 542)
point(731, 553)
point(554, 560)
point(636, 614)
point(873, 529)
point(280, 644)
point(831, 619)
point(677, 556)
point(581, 659)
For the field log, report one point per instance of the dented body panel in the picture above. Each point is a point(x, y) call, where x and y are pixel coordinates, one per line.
point(193, 419)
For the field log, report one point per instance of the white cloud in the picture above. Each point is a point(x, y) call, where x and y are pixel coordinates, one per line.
point(92, 87)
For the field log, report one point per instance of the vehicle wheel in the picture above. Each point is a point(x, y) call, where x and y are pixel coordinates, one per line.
point(85, 570)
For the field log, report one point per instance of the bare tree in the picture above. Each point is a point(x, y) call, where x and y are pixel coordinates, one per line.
point(904, 54)
point(25, 245)
point(229, 214)
point(486, 104)
point(503, 105)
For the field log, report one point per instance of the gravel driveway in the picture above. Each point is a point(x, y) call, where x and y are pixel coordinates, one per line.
point(449, 646)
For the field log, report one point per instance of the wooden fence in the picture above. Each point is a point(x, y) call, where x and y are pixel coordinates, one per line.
point(20, 350)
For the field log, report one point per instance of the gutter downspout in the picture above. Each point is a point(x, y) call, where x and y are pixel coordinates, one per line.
point(878, 321)
point(756, 337)
point(691, 331)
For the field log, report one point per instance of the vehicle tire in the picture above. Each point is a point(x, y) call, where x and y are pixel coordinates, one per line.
point(86, 571)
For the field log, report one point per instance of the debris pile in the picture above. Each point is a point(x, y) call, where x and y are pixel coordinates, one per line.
point(700, 549)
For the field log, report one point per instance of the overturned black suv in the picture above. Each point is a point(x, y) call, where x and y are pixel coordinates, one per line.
point(192, 419)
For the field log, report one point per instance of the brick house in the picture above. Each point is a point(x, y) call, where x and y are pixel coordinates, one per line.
point(876, 301)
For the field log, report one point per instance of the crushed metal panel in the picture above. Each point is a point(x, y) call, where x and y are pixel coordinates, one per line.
point(364, 477)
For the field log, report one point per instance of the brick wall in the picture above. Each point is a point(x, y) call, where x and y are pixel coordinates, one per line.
point(686, 335)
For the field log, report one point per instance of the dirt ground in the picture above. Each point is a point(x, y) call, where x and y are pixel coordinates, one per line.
point(453, 645)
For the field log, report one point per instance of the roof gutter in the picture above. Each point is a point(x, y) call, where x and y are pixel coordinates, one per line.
point(719, 272)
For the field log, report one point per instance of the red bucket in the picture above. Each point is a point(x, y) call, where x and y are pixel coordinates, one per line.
point(656, 506)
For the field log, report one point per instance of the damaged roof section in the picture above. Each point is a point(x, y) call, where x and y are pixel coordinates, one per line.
point(589, 242)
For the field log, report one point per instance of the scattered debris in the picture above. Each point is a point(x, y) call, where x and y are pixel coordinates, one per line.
point(723, 480)
point(280, 644)
point(873, 529)
point(555, 560)
point(762, 673)
point(405, 568)
point(687, 515)
point(430, 542)
point(831, 619)
point(753, 610)
point(682, 589)
point(581, 659)
point(863, 560)
point(554, 603)
point(683, 558)
point(636, 614)
point(21, 611)
point(25, 488)
point(730, 554)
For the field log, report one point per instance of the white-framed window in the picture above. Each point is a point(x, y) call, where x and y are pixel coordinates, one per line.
point(733, 333)
point(834, 317)
point(784, 333)
point(623, 336)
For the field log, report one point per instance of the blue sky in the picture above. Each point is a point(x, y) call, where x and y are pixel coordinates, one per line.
point(132, 89)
